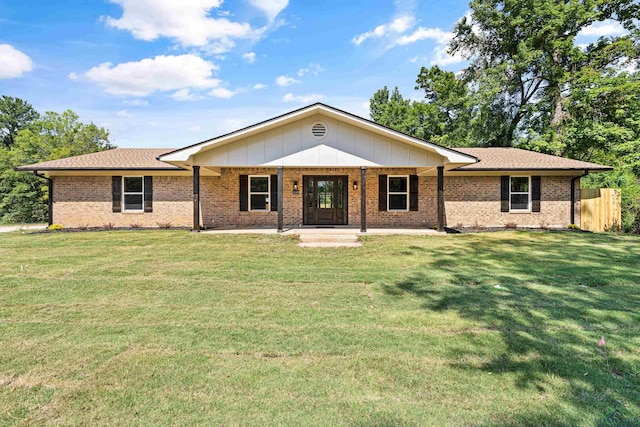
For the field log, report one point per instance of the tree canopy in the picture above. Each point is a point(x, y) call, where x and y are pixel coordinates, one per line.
point(529, 84)
point(23, 197)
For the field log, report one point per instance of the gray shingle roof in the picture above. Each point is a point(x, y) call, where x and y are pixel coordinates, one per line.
point(116, 159)
point(145, 159)
point(499, 158)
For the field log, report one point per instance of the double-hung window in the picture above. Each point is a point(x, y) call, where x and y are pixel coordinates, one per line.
point(133, 193)
point(259, 190)
point(398, 193)
point(520, 193)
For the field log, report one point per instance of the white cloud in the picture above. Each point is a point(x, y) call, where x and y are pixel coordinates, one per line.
point(137, 102)
point(185, 95)
point(398, 25)
point(14, 63)
point(250, 57)
point(440, 56)
point(259, 86)
point(221, 92)
point(418, 59)
point(271, 8)
point(195, 128)
point(607, 27)
point(302, 99)
point(440, 36)
point(188, 22)
point(73, 76)
point(123, 113)
point(286, 81)
point(162, 73)
point(312, 68)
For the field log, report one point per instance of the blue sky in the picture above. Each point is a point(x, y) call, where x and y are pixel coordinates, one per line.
point(168, 73)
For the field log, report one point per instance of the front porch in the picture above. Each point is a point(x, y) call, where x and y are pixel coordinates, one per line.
point(290, 198)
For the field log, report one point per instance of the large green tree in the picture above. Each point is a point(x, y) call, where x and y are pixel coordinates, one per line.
point(525, 59)
point(15, 114)
point(443, 115)
point(23, 197)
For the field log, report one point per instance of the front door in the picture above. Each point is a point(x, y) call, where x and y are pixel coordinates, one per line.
point(325, 200)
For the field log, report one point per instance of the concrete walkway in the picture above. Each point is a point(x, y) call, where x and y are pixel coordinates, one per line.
point(28, 227)
point(322, 237)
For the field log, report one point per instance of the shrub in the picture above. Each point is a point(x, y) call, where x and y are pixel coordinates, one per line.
point(55, 227)
point(109, 226)
point(164, 225)
point(135, 226)
point(511, 225)
point(573, 227)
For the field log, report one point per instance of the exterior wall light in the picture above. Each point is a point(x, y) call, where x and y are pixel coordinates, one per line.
point(295, 185)
point(355, 185)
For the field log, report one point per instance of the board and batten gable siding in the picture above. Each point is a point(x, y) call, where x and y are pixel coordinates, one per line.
point(293, 145)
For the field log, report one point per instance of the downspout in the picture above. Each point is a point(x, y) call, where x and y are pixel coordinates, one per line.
point(50, 188)
point(573, 195)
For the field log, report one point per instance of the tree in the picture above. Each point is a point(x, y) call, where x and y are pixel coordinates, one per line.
point(15, 114)
point(23, 197)
point(443, 117)
point(525, 59)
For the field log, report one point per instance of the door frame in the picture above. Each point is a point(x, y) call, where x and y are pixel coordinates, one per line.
point(309, 214)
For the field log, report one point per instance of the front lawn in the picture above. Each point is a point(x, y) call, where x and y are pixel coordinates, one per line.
point(174, 328)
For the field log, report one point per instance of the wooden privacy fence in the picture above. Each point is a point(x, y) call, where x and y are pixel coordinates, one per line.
point(600, 209)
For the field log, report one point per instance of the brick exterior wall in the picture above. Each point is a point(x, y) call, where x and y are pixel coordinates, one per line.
point(469, 201)
point(475, 201)
point(86, 201)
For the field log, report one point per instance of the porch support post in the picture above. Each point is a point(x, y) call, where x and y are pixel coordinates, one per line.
point(363, 200)
point(50, 188)
point(441, 223)
point(280, 198)
point(196, 199)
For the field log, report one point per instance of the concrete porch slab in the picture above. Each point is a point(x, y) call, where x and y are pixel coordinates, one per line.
point(327, 231)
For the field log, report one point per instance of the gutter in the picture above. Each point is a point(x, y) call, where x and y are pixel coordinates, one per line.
point(573, 195)
point(50, 188)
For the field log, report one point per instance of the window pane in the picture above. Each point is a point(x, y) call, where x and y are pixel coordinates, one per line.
point(397, 201)
point(259, 202)
point(325, 194)
point(397, 185)
point(519, 201)
point(260, 185)
point(520, 184)
point(133, 202)
point(133, 184)
point(340, 194)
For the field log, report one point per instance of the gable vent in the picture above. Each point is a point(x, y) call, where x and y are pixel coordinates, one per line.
point(319, 130)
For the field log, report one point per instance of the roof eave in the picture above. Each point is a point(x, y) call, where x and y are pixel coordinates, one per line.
point(461, 169)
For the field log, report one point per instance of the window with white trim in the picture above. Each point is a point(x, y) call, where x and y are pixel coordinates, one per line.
point(398, 193)
point(259, 190)
point(133, 193)
point(520, 193)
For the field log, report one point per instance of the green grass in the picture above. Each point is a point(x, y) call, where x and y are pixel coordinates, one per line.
point(174, 328)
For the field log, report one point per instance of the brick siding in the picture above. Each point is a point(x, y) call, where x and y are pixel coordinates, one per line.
point(470, 201)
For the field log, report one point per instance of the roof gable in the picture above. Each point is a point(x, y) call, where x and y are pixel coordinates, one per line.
point(371, 141)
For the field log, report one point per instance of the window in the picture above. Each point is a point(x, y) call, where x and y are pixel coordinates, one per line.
point(519, 193)
point(398, 193)
point(259, 189)
point(133, 193)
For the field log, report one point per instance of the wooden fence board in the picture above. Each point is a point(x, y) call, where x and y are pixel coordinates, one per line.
point(600, 209)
